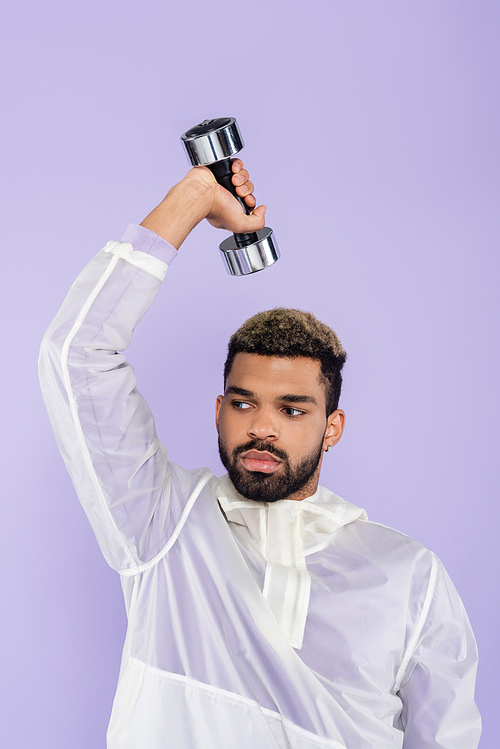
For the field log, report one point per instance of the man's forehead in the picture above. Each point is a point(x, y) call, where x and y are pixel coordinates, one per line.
point(286, 374)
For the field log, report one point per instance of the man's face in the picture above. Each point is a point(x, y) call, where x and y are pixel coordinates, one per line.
point(273, 428)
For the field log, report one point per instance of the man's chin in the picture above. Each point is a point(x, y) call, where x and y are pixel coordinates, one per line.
point(258, 486)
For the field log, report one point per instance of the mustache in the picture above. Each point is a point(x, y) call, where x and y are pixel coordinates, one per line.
point(262, 446)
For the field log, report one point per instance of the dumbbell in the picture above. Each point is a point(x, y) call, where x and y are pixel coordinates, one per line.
point(213, 143)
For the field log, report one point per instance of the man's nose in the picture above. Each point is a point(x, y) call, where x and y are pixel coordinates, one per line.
point(264, 425)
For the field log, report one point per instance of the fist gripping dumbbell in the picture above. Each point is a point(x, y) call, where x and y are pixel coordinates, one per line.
point(212, 143)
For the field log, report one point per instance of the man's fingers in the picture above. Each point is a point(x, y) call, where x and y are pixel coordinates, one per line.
point(245, 189)
point(243, 186)
point(240, 178)
point(227, 215)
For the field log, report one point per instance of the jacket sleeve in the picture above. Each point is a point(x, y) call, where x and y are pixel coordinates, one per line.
point(103, 426)
point(437, 688)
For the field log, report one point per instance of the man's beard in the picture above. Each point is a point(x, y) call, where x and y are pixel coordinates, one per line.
point(268, 487)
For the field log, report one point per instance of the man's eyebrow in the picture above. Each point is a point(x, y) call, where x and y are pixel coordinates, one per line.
point(289, 398)
point(240, 391)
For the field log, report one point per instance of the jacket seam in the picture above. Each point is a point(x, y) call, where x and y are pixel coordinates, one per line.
point(227, 696)
point(138, 568)
point(412, 645)
point(72, 399)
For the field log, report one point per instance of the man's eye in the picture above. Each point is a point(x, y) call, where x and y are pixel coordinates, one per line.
point(292, 411)
point(240, 405)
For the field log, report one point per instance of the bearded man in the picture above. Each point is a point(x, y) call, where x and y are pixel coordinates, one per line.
point(263, 610)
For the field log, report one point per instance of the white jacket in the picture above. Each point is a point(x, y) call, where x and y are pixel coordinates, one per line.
point(294, 624)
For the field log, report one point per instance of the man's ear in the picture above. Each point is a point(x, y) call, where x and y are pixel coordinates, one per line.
point(334, 428)
point(218, 404)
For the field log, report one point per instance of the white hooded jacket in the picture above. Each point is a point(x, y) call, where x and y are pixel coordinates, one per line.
point(294, 624)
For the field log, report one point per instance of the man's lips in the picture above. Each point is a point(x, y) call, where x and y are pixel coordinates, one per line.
point(254, 460)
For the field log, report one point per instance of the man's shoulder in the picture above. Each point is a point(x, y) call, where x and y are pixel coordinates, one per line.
point(389, 535)
point(382, 540)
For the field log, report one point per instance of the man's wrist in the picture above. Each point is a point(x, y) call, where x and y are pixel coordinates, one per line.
point(146, 241)
point(185, 205)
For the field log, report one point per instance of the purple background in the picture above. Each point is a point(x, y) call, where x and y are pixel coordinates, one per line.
point(372, 135)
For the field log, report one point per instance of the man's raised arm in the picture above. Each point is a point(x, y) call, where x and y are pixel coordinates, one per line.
point(103, 425)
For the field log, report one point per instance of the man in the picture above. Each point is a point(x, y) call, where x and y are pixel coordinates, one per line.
point(263, 611)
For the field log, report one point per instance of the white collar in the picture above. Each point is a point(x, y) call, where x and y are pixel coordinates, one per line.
point(285, 533)
point(312, 519)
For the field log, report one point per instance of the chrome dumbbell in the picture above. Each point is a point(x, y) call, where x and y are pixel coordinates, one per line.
point(213, 143)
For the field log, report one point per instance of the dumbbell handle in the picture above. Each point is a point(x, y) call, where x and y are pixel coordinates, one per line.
point(223, 173)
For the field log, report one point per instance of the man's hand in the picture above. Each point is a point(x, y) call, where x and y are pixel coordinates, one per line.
point(199, 196)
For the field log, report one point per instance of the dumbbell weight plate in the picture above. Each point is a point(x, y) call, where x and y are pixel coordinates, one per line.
point(242, 260)
point(212, 140)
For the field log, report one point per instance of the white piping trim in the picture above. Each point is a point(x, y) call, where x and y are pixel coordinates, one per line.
point(71, 397)
point(420, 624)
point(190, 682)
point(149, 263)
point(175, 535)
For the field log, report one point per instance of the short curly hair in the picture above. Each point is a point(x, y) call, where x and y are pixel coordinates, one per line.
point(292, 333)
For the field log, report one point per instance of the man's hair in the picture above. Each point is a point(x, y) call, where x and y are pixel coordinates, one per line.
point(292, 333)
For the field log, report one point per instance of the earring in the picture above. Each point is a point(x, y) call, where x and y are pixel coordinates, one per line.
point(328, 449)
